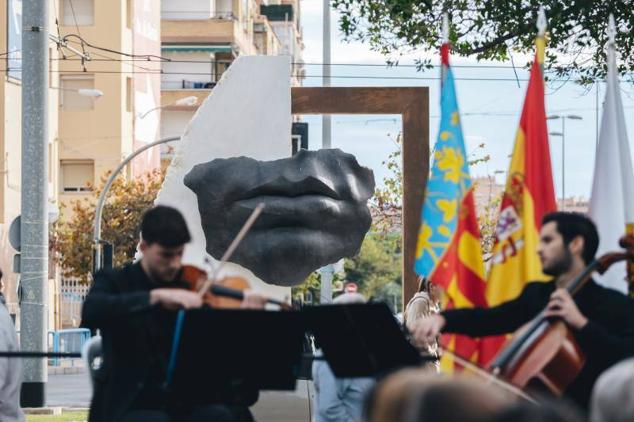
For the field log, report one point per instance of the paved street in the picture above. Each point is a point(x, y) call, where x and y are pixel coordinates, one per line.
point(74, 390)
point(71, 390)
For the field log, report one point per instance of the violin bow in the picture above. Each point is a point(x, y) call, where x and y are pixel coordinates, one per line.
point(180, 317)
point(232, 248)
point(490, 377)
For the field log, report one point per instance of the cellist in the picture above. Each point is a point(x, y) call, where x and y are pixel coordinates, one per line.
point(128, 306)
point(601, 319)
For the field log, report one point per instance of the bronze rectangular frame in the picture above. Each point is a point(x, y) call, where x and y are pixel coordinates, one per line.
point(412, 103)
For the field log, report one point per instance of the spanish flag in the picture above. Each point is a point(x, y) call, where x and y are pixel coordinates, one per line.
point(529, 194)
point(448, 250)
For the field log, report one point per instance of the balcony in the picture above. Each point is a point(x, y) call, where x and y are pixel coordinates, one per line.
point(194, 67)
point(184, 84)
point(210, 31)
point(179, 15)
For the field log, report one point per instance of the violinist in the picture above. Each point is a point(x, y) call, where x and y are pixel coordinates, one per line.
point(128, 305)
point(601, 319)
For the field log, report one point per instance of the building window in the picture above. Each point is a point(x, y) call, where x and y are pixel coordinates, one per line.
point(78, 12)
point(128, 93)
point(77, 175)
point(69, 97)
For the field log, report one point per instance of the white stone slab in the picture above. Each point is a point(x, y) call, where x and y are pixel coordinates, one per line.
point(248, 113)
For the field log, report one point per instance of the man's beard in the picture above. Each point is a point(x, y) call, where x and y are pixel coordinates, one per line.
point(560, 265)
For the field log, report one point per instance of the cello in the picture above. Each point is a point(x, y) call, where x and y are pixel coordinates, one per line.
point(543, 353)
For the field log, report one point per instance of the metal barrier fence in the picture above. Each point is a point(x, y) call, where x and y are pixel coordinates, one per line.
point(72, 295)
point(71, 340)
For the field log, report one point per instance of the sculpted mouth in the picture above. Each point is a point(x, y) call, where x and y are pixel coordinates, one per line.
point(284, 188)
point(282, 211)
point(315, 210)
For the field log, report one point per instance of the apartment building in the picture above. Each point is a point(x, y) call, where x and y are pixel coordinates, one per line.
point(96, 133)
point(201, 38)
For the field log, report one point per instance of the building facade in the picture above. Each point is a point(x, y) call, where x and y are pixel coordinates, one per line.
point(200, 39)
point(88, 134)
point(97, 133)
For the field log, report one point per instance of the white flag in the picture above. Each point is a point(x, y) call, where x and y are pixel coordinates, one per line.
point(612, 201)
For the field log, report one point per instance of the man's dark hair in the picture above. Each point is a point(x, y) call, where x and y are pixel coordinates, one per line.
point(573, 224)
point(165, 226)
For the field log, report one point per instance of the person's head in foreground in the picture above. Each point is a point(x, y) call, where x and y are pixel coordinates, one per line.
point(613, 394)
point(413, 395)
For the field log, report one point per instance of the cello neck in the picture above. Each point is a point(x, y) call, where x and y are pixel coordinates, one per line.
point(586, 275)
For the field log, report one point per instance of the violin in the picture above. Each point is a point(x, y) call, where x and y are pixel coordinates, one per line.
point(226, 293)
point(229, 291)
point(543, 354)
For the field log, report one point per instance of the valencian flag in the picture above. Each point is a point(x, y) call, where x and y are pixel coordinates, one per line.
point(529, 194)
point(448, 251)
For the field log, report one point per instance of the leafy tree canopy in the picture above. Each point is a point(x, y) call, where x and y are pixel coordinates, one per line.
point(492, 29)
point(377, 268)
point(71, 240)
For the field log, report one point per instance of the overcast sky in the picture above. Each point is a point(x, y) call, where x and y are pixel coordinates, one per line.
point(490, 109)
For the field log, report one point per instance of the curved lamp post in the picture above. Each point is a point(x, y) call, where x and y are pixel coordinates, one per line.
point(181, 102)
point(97, 241)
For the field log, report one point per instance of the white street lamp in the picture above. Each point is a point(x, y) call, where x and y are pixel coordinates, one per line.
point(90, 92)
point(97, 241)
point(181, 102)
point(563, 150)
point(84, 92)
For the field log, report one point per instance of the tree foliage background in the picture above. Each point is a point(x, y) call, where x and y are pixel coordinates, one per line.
point(377, 267)
point(495, 29)
point(71, 240)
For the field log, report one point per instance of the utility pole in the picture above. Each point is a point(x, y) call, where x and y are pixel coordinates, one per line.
point(326, 124)
point(326, 141)
point(34, 198)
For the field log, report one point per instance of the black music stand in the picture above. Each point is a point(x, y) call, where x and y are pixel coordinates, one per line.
point(360, 340)
point(221, 349)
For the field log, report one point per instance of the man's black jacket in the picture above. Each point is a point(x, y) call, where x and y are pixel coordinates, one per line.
point(607, 338)
point(118, 304)
point(136, 340)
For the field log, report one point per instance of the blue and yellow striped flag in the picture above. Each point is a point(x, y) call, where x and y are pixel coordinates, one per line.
point(449, 251)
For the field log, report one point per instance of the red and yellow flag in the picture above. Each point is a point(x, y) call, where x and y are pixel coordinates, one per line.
point(448, 250)
point(529, 194)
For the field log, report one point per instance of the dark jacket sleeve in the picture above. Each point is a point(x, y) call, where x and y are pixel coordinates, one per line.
point(105, 303)
point(501, 319)
point(597, 339)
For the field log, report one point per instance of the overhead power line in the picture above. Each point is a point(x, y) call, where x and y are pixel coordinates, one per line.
point(370, 77)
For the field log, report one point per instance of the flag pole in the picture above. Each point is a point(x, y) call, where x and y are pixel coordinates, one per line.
point(542, 25)
point(444, 49)
point(629, 226)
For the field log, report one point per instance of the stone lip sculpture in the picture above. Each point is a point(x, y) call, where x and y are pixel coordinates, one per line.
point(315, 210)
